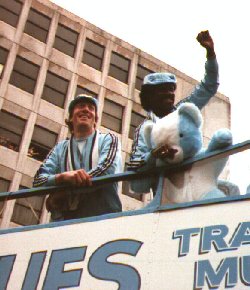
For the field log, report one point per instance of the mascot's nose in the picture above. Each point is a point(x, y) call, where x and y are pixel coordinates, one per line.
point(171, 153)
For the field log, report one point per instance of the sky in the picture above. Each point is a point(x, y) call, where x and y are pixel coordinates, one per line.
point(167, 30)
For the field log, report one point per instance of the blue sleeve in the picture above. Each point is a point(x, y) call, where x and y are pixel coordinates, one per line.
point(110, 161)
point(45, 176)
point(141, 159)
point(207, 88)
point(140, 156)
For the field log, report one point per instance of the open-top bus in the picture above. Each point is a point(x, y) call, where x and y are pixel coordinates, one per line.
point(202, 244)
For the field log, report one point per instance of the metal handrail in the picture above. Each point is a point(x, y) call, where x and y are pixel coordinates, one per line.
point(128, 175)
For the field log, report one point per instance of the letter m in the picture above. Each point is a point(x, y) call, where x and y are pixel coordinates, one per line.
point(204, 272)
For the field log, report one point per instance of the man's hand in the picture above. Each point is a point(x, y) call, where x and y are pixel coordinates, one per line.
point(205, 40)
point(76, 178)
point(163, 152)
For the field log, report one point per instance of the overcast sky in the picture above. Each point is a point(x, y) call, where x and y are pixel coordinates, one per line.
point(167, 30)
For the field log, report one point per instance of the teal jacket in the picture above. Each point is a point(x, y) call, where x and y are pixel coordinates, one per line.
point(101, 201)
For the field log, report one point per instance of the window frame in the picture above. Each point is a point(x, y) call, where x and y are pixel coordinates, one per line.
point(48, 85)
point(31, 23)
point(107, 116)
point(7, 189)
point(133, 125)
point(11, 16)
point(3, 59)
point(9, 143)
point(38, 145)
point(114, 68)
point(87, 53)
point(23, 203)
point(59, 38)
point(22, 72)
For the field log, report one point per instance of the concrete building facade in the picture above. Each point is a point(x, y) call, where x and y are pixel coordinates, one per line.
point(47, 56)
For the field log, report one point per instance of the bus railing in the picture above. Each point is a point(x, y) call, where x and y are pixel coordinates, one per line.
point(127, 175)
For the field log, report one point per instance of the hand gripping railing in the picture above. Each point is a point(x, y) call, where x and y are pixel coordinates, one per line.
point(128, 175)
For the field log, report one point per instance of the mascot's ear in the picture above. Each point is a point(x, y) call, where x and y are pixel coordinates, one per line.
point(191, 111)
point(147, 134)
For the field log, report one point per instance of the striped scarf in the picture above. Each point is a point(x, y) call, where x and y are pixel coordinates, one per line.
point(74, 198)
point(93, 158)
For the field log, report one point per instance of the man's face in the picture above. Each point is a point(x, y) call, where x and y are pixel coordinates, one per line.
point(84, 116)
point(163, 99)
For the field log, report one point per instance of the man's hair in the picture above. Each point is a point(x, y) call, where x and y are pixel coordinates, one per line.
point(68, 122)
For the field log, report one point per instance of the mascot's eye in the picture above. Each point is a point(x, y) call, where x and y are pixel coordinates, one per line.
point(181, 135)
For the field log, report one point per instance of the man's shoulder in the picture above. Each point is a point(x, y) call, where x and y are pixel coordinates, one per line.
point(150, 119)
point(106, 135)
point(61, 144)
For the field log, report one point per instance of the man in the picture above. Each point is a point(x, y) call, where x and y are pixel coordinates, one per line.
point(158, 97)
point(87, 154)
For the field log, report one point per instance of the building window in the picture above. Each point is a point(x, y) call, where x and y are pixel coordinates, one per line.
point(41, 143)
point(11, 130)
point(93, 54)
point(66, 40)
point(119, 67)
point(136, 120)
point(55, 89)
point(24, 74)
point(27, 210)
point(4, 187)
point(141, 73)
point(81, 90)
point(112, 116)
point(10, 11)
point(3, 59)
point(37, 25)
